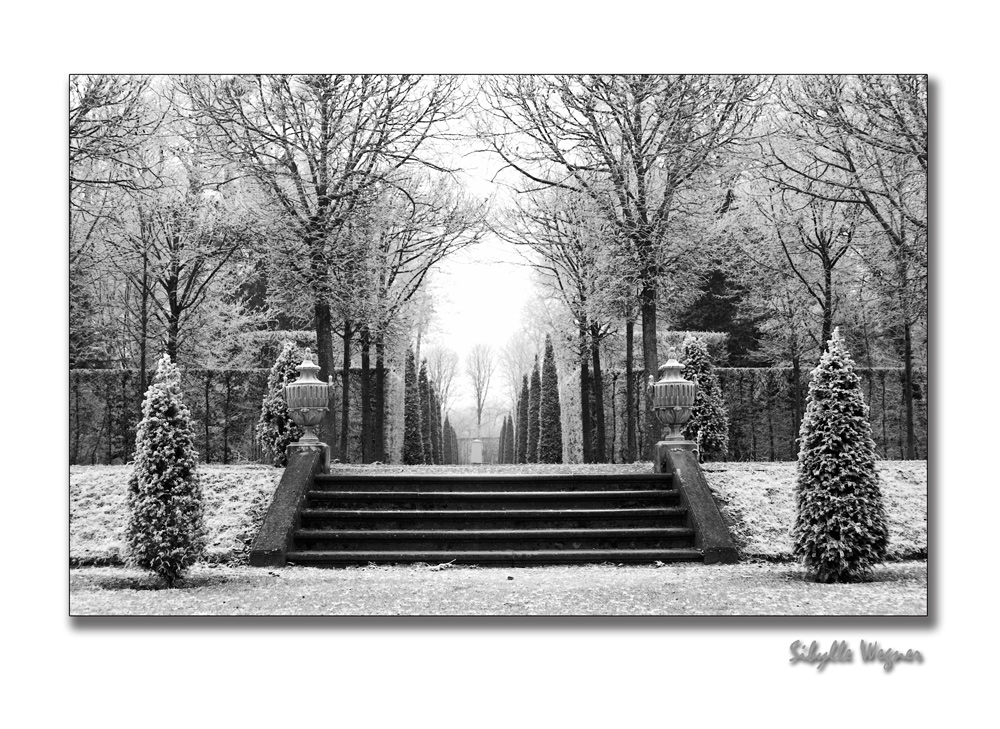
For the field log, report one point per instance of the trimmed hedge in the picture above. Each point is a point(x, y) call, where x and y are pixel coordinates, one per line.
point(105, 407)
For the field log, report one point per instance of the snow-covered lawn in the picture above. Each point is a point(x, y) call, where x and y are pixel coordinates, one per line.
point(756, 500)
point(236, 497)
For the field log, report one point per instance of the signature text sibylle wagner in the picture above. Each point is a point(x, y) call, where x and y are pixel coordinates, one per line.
point(840, 652)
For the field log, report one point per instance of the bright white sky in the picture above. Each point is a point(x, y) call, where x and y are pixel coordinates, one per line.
point(481, 291)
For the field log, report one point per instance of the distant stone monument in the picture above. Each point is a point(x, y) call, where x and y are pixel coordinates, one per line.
point(476, 452)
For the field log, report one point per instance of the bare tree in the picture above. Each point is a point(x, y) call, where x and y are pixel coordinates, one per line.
point(442, 368)
point(316, 144)
point(480, 364)
point(632, 144)
point(515, 360)
point(862, 141)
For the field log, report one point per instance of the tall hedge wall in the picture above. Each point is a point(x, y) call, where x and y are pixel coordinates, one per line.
point(762, 423)
point(105, 405)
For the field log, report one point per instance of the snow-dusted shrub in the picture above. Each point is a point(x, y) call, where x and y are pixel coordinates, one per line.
point(840, 530)
point(275, 428)
point(709, 423)
point(165, 531)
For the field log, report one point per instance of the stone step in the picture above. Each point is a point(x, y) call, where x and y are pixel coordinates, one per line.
point(492, 539)
point(494, 557)
point(500, 500)
point(587, 518)
point(492, 482)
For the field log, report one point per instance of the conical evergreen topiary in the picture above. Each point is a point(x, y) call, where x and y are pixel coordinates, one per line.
point(534, 411)
point(521, 445)
point(438, 453)
point(508, 446)
point(550, 415)
point(447, 454)
point(275, 429)
point(840, 528)
point(709, 423)
point(165, 531)
point(413, 441)
point(425, 414)
point(503, 440)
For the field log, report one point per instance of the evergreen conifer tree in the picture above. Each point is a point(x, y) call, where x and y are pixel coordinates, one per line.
point(275, 429)
point(503, 440)
point(165, 531)
point(508, 448)
point(438, 452)
point(447, 453)
point(550, 414)
point(456, 454)
point(413, 441)
point(709, 423)
point(521, 448)
point(425, 413)
point(840, 530)
point(534, 411)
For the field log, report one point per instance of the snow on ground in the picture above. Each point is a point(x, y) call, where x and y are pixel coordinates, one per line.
point(756, 499)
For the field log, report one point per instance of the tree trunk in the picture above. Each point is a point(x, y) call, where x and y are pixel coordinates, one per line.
point(225, 417)
point(378, 427)
point(650, 364)
point(208, 416)
point(911, 449)
point(797, 404)
point(324, 357)
point(143, 326)
point(366, 397)
point(600, 454)
point(630, 407)
point(827, 308)
point(345, 400)
point(585, 423)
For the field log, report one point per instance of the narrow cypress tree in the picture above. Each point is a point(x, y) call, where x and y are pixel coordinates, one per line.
point(275, 429)
point(455, 452)
point(550, 415)
point(435, 424)
point(709, 423)
point(425, 413)
point(447, 455)
point(840, 530)
point(503, 439)
point(508, 451)
point(534, 411)
point(521, 449)
point(413, 442)
point(165, 529)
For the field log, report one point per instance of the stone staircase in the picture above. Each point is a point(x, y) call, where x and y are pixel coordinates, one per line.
point(492, 520)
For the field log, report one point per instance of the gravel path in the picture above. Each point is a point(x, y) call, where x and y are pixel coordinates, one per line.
point(678, 589)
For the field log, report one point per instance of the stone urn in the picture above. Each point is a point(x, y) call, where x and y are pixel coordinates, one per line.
point(673, 398)
point(307, 399)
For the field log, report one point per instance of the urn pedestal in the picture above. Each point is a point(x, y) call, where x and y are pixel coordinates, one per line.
point(673, 401)
point(308, 400)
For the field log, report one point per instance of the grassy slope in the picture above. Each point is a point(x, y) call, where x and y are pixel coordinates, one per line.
point(236, 498)
point(756, 500)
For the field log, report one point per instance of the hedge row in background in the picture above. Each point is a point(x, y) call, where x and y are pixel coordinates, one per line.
point(763, 423)
point(105, 407)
